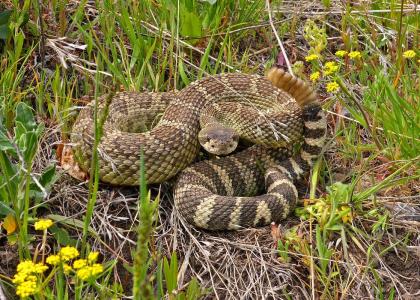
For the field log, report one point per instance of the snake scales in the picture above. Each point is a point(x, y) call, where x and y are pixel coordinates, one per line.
point(221, 193)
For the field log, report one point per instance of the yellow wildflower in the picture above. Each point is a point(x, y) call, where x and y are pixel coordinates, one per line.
point(348, 216)
point(330, 68)
point(314, 76)
point(332, 87)
point(31, 278)
point(19, 278)
point(89, 272)
point(80, 263)
point(26, 289)
point(26, 266)
point(92, 256)
point(97, 269)
point(40, 268)
point(68, 253)
point(311, 57)
point(355, 55)
point(43, 224)
point(53, 260)
point(341, 53)
point(67, 269)
point(409, 54)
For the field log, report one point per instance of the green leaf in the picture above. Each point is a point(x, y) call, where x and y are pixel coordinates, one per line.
point(5, 32)
point(5, 17)
point(31, 146)
point(4, 209)
point(62, 236)
point(25, 115)
point(5, 144)
point(71, 222)
point(48, 177)
point(171, 273)
point(20, 132)
point(190, 24)
point(193, 291)
point(9, 180)
point(182, 73)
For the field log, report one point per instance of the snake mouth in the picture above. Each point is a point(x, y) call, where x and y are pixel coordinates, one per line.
point(218, 140)
point(217, 148)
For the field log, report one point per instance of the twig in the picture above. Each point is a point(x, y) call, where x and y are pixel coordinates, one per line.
point(283, 51)
point(2, 295)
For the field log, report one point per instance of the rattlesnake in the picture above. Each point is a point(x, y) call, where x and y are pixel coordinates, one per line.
point(206, 193)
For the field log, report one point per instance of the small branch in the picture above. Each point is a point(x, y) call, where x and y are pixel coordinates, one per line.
point(283, 51)
point(2, 295)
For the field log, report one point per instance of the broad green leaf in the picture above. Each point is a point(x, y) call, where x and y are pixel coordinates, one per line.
point(193, 291)
point(5, 144)
point(62, 236)
point(5, 31)
point(5, 17)
point(31, 146)
point(190, 24)
point(20, 132)
point(48, 177)
point(4, 209)
point(25, 115)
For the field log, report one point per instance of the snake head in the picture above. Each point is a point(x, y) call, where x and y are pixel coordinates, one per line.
point(218, 140)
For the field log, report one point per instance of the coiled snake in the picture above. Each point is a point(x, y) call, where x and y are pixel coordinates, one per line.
point(277, 113)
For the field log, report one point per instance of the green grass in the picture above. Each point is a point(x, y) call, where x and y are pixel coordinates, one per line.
point(341, 242)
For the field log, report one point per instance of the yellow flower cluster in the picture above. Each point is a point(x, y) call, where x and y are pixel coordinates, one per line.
point(28, 267)
point(66, 253)
point(80, 263)
point(26, 288)
point(314, 76)
point(93, 256)
point(332, 87)
point(43, 224)
point(341, 53)
point(409, 54)
point(27, 272)
point(88, 268)
point(53, 260)
point(321, 209)
point(25, 277)
point(89, 272)
point(347, 217)
point(67, 269)
point(330, 67)
point(355, 55)
point(311, 57)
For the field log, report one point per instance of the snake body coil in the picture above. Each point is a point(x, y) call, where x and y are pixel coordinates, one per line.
point(214, 194)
